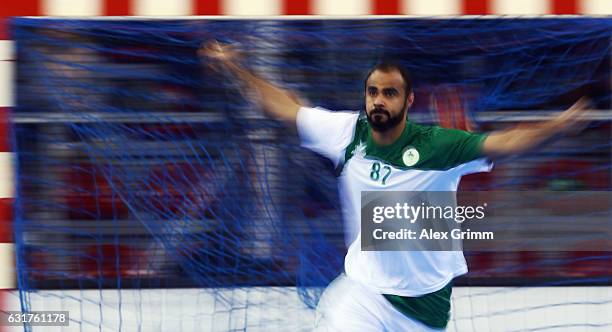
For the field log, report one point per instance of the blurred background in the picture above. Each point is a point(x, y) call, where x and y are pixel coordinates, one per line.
point(139, 163)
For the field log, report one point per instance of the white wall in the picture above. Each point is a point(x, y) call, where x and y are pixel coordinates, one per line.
point(279, 309)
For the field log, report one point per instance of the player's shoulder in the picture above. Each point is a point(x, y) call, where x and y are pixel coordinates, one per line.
point(323, 113)
point(420, 129)
point(361, 127)
point(422, 133)
point(434, 134)
point(326, 124)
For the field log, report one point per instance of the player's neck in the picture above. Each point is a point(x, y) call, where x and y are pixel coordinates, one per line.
point(389, 136)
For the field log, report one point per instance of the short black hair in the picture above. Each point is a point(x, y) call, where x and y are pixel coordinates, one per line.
point(387, 66)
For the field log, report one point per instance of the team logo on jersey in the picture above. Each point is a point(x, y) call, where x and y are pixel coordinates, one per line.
point(410, 156)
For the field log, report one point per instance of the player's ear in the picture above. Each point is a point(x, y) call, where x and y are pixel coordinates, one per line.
point(410, 99)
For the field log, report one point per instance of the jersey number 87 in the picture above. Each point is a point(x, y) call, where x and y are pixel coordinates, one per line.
point(375, 172)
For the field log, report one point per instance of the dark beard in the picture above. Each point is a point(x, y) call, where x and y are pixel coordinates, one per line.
point(390, 123)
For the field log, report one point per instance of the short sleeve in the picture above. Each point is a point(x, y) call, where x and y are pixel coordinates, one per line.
point(326, 132)
point(458, 147)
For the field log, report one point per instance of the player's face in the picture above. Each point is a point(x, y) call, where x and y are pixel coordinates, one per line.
point(386, 100)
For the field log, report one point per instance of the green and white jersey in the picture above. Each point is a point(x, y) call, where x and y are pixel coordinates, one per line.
point(424, 158)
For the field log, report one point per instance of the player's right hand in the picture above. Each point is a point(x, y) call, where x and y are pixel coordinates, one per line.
point(224, 53)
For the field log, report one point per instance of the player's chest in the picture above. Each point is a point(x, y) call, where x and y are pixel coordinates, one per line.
point(363, 173)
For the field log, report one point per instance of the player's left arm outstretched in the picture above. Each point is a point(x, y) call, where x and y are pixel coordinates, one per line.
point(524, 138)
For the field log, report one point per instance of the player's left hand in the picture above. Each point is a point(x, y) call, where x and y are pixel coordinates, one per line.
point(574, 119)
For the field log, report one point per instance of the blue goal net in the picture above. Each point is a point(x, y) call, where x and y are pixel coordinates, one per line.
point(141, 168)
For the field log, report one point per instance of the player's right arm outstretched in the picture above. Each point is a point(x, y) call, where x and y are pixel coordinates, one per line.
point(276, 102)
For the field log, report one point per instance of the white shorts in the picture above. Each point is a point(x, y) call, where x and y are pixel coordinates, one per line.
point(347, 305)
